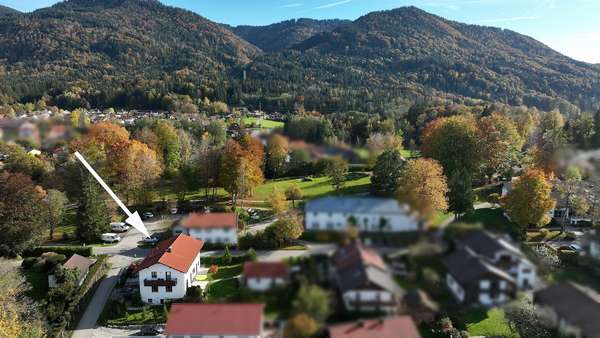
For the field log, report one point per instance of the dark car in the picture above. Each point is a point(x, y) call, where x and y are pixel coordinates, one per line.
point(151, 330)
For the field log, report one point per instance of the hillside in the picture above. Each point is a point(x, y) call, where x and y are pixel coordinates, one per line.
point(279, 36)
point(7, 10)
point(412, 51)
point(114, 40)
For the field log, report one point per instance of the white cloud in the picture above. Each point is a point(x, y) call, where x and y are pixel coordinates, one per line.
point(333, 4)
point(293, 5)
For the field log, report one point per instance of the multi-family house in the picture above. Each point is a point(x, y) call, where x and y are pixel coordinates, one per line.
point(263, 276)
point(574, 307)
point(169, 269)
point(369, 214)
point(213, 228)
point(215, 320)
point(488, 269)
point(363, 280)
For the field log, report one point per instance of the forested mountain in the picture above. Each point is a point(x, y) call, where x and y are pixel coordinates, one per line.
point(411, 50)
point(282, 35)
point(7, 10)
point(101, 43)
point(142, 54)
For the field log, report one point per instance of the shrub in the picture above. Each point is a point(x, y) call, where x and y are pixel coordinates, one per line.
point(68, 251)
point(55, 259)
point(213, 268)
point(28, 262)
point(194, 293)
point(570, 236)
point(568, 257)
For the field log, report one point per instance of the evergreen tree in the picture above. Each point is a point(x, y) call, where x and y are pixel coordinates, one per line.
point(93, 215)
point(386, 172)
point(460, 197)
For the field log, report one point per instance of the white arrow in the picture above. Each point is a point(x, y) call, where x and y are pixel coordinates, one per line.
point(133, 219)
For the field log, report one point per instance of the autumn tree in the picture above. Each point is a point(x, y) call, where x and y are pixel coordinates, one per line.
point(289, 228)
point(529, 200)
point(337, 168)
point(379, 143)
point(293, 193)
point(423, 187)
point(22, 213)
point(500, 144)
point(278, 201)
point(582, 130)
point(276, 155)
point(570, 188)
point(460, 192)
point(56, 202)
point(240, 169)
point(142, 170)
point(386, 172)
point(313, 301)
point(300, 326)
point(19, 161)
point(18, 314)
point(169, 143)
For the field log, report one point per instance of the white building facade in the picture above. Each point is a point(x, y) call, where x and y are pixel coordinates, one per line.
point(159, 282)
point(213, 228)
point(369, 214)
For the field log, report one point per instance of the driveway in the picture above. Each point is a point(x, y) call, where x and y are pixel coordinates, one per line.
point(121, 256)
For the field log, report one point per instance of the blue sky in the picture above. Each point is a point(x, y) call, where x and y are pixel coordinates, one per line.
point(569, 26)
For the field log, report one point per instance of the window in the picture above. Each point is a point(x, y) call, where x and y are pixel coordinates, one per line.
point(154, 288)
point(154, 274)
point(150, 300)
point(169, 288)
point(484, 284)
point(168, 275)
point(162, 301)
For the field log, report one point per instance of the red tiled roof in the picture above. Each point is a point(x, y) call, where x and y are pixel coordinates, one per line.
point(210, 220)
point(392, 327)
point(176, 252)
point(215, 319)
point(265, 270)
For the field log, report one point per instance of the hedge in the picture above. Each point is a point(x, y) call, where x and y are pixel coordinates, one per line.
point(85, 251)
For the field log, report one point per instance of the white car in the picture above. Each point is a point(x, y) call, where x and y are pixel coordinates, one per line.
point(173, 211)
point(119, 227)
point(110, 238)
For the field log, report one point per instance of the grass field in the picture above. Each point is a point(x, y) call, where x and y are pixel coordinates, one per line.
point(264, 124)
point(488, 323)
point(490, 219)
point(320, 186)
point(146, 316)
point(226, 272)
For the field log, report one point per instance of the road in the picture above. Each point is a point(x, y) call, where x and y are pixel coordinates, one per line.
point(121, 256)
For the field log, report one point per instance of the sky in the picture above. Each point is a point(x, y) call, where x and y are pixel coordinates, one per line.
point(571, 27)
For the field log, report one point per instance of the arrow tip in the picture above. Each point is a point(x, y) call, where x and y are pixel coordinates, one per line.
point(136, 221)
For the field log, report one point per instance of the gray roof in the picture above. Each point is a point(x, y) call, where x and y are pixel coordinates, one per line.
point(467, 267)
point(578, 305)
point(488, 244)
point(356, 205)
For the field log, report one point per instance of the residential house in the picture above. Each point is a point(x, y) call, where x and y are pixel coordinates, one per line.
point(472, 279)
point(574, 306)
point(169, 269)
point(501, 252)
point(364, 281)
point(396, 326)
point(80, 264)
point(263, 276)
point(29, 132)
point(215, 320)
point(213, 228)
point(488, 269)
point(421, 307)
point(369, 213)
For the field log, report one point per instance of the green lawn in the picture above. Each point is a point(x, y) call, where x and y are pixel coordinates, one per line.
point(155, 315)
point(320, 186)
point(226, 272)
point(223, 289)
point(488, 323)
point(265, 124)
point(490, 219)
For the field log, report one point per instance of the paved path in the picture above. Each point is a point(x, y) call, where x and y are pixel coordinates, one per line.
point(122, 255)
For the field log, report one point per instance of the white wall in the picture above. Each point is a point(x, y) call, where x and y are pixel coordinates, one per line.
point(396, 222)
point(353, 296)
point(263, 284)
point(183, 281)
point(213, 235)
point(456, 289)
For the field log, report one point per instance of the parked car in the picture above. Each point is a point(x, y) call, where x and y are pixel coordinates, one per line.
point(147, 215)
point(571, 247)
point(151, 240)
point(110, 238)
point(173, 211)
point(119, 227)
point(151, 330)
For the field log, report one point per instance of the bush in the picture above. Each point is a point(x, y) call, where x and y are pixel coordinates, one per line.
point(570, 236)
point(85, 251)
point(194, 293)
point(213, 269)
point(55, 259)
point(568, 257)
point(28, 262)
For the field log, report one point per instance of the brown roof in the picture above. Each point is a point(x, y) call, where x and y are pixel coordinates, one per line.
point(210, 220)
point(78, 262)
point(391, 327)
point(176, 252)
point(356, 254)
point(265, 270)
point(577, 305)
point(215, 320)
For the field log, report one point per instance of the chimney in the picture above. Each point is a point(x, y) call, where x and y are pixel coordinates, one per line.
point(169, 249)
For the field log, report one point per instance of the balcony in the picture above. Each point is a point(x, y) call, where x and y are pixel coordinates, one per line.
point(160, 282)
